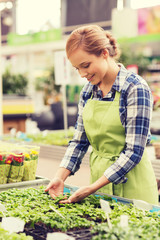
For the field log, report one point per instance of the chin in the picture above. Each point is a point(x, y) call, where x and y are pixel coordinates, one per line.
point(93, 83)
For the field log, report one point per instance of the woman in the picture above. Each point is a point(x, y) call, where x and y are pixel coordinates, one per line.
point(114, 118)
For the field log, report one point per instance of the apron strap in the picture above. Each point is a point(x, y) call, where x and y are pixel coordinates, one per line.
point(109, 156)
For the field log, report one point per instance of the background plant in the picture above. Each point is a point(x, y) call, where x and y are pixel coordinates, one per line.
point(46, 83)
point(129, 55)
point(14, 83)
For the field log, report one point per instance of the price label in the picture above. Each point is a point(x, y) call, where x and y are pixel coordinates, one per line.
point(59, 236)
point(12, 224)
point(124, 221)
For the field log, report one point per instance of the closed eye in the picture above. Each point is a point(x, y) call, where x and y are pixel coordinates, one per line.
point(83, 66)
point(86, 66)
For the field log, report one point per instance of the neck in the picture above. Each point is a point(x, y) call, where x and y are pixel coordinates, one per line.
point(111, 74)
point(109, 79)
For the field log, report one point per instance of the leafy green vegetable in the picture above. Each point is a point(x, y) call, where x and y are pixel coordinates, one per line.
point(33, 206)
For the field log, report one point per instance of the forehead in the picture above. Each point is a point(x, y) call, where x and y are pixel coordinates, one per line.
point(80, 56)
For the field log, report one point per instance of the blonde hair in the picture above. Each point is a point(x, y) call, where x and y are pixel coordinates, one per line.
point(92, 39)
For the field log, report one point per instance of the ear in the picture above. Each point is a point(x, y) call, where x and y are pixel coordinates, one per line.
point(105, 53)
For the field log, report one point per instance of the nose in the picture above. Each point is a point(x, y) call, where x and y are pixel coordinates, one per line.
point(82, 73)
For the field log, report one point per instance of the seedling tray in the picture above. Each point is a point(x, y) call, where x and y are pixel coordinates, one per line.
point(40, 229)
point(71, 189)
point(40, 233)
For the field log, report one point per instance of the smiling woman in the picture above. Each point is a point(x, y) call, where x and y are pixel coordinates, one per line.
point(114, 118)
point(92, 52)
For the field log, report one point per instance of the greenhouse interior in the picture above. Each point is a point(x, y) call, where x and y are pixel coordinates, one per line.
point(65, 173)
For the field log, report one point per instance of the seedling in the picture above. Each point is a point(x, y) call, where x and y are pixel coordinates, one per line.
point(106, 208)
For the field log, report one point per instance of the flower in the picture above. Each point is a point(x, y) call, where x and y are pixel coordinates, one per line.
point(2, 158)
point(9, 159)
point(34, 152)
point(27, 156)
point(18, 159)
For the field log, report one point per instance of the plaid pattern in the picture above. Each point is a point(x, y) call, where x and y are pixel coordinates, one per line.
point(135, 111)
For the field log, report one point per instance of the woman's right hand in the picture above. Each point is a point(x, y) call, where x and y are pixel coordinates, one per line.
point(55, 187)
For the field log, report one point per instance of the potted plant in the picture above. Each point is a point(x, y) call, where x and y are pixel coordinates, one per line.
point(14, 83)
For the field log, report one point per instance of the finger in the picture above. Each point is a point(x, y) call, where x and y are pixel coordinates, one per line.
point(53, 195)
point(46, 190)
point(65, 201)
point(65, 197)
point(48, 187)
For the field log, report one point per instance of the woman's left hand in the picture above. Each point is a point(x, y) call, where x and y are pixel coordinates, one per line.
point(80, 194)
point(85, 191)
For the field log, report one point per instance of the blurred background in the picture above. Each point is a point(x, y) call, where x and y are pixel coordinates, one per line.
point(39, 88)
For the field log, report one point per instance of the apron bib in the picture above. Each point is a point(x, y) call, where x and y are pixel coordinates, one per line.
point(107, 137)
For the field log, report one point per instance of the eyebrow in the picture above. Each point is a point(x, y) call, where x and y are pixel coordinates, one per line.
point(81, 64)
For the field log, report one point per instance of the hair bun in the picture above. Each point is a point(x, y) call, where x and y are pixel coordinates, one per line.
point(114, 51)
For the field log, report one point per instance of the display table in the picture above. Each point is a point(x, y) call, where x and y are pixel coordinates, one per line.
point(16, 109)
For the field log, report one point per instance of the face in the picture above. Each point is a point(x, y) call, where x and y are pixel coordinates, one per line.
point(89, 65)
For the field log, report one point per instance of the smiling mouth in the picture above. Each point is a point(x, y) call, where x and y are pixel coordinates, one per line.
point(90, 79)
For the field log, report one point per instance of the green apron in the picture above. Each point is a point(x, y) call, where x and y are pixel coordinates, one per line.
point(106, 135)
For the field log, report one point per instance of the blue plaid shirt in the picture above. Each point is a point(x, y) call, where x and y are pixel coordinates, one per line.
point(135, 111)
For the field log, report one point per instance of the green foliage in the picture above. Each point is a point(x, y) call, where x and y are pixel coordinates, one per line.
point(5, 235)
point(130, 56)
point(33, 206)
point(141, 225)
point(46, 82)
point(14, 83)
point(60, 138)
